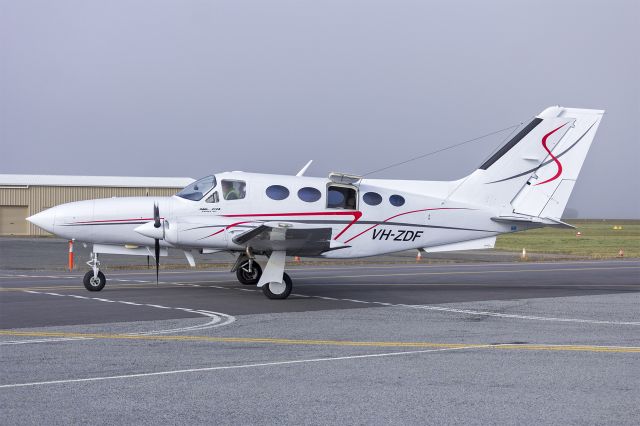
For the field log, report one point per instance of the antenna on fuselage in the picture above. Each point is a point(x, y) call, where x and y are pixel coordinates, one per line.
point(304, 169)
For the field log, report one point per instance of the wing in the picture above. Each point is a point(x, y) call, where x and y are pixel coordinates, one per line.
point(294, 238)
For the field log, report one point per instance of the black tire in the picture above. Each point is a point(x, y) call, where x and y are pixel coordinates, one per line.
point(94, 284)
point(249, 278)
point(288, 286)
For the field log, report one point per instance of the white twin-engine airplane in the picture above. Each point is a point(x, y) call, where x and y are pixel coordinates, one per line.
point(526, 184)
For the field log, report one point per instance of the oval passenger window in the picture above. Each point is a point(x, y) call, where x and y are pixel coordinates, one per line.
point(309, 194)
point(396, 200)
point(372, 198)
point(277, 192)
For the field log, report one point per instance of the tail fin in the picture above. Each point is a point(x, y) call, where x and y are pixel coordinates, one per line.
point(534, 173)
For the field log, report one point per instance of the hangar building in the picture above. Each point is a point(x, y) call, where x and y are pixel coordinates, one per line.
point(24, 195)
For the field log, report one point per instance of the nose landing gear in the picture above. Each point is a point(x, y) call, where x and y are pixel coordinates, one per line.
point(94, 280)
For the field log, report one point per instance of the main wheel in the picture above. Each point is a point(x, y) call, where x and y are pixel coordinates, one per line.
point(247, 277)
point(278, 290)
point(92, 283)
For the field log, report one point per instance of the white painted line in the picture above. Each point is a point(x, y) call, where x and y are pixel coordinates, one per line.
point(54, 294)
point(516, 316)
point(102, 300)
point(487, 313)
point(32, 292)
point(23, 342)
point(157, 306)
point(129, 303)
point(299, 295)
point(79, 297)
point(245, 289)
point(236, 367)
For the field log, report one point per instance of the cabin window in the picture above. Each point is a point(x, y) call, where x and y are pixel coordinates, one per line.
point(277, 192)
point(213, 198)
point(396, 200)
point(233, 189)
point(372, 198)
point(341, 197)
point(309, 194)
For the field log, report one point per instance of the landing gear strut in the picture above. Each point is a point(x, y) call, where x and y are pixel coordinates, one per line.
point(94, 280)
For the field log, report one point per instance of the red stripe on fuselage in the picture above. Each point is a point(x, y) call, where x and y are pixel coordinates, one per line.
point(118, 220)
point(227, 227)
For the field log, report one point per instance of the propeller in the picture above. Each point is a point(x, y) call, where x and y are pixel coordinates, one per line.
point(157, 224)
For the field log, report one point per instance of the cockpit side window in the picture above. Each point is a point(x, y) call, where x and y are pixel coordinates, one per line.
point(213, 198)
point(198, 189)
point(233, 189)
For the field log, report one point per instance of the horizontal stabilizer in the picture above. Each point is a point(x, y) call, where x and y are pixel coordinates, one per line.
point(532, 220)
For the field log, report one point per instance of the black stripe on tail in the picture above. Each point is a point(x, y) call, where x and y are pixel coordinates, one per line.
point(502, 151)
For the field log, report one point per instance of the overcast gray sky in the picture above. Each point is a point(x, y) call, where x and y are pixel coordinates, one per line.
point(187, 88)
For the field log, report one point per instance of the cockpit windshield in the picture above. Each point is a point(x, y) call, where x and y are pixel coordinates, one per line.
point(198, 189)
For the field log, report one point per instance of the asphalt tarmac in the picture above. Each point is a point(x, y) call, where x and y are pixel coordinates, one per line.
point(500, 343)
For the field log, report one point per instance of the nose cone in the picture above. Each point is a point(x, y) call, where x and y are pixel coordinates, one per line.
point(149, 230)
point(45, 219)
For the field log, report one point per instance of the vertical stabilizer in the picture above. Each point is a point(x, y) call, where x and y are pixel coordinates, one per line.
point(534, 173)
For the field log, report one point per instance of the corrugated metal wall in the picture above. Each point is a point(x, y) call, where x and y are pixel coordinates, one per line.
point(38, 198)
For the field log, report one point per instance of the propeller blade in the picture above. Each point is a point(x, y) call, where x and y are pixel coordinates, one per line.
point(156, 216)
point(157, 253)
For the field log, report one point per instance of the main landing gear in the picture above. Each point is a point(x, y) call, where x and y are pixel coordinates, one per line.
point(249, 272)
point(275, 283)
point(94, 280)
point(278, 290)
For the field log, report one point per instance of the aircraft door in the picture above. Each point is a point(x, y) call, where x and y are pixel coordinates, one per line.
point(342, 197)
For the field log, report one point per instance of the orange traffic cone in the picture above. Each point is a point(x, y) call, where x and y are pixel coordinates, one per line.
point(523, 256)
point(621, 253)
point(296, 259)
point(419, 256)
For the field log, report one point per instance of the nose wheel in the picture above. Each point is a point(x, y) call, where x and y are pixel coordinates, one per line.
point(94, 280)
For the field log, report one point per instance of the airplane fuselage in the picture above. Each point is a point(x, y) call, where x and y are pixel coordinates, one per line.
point(383, 216)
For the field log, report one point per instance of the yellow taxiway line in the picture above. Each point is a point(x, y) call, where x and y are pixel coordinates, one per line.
point(313, 342)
